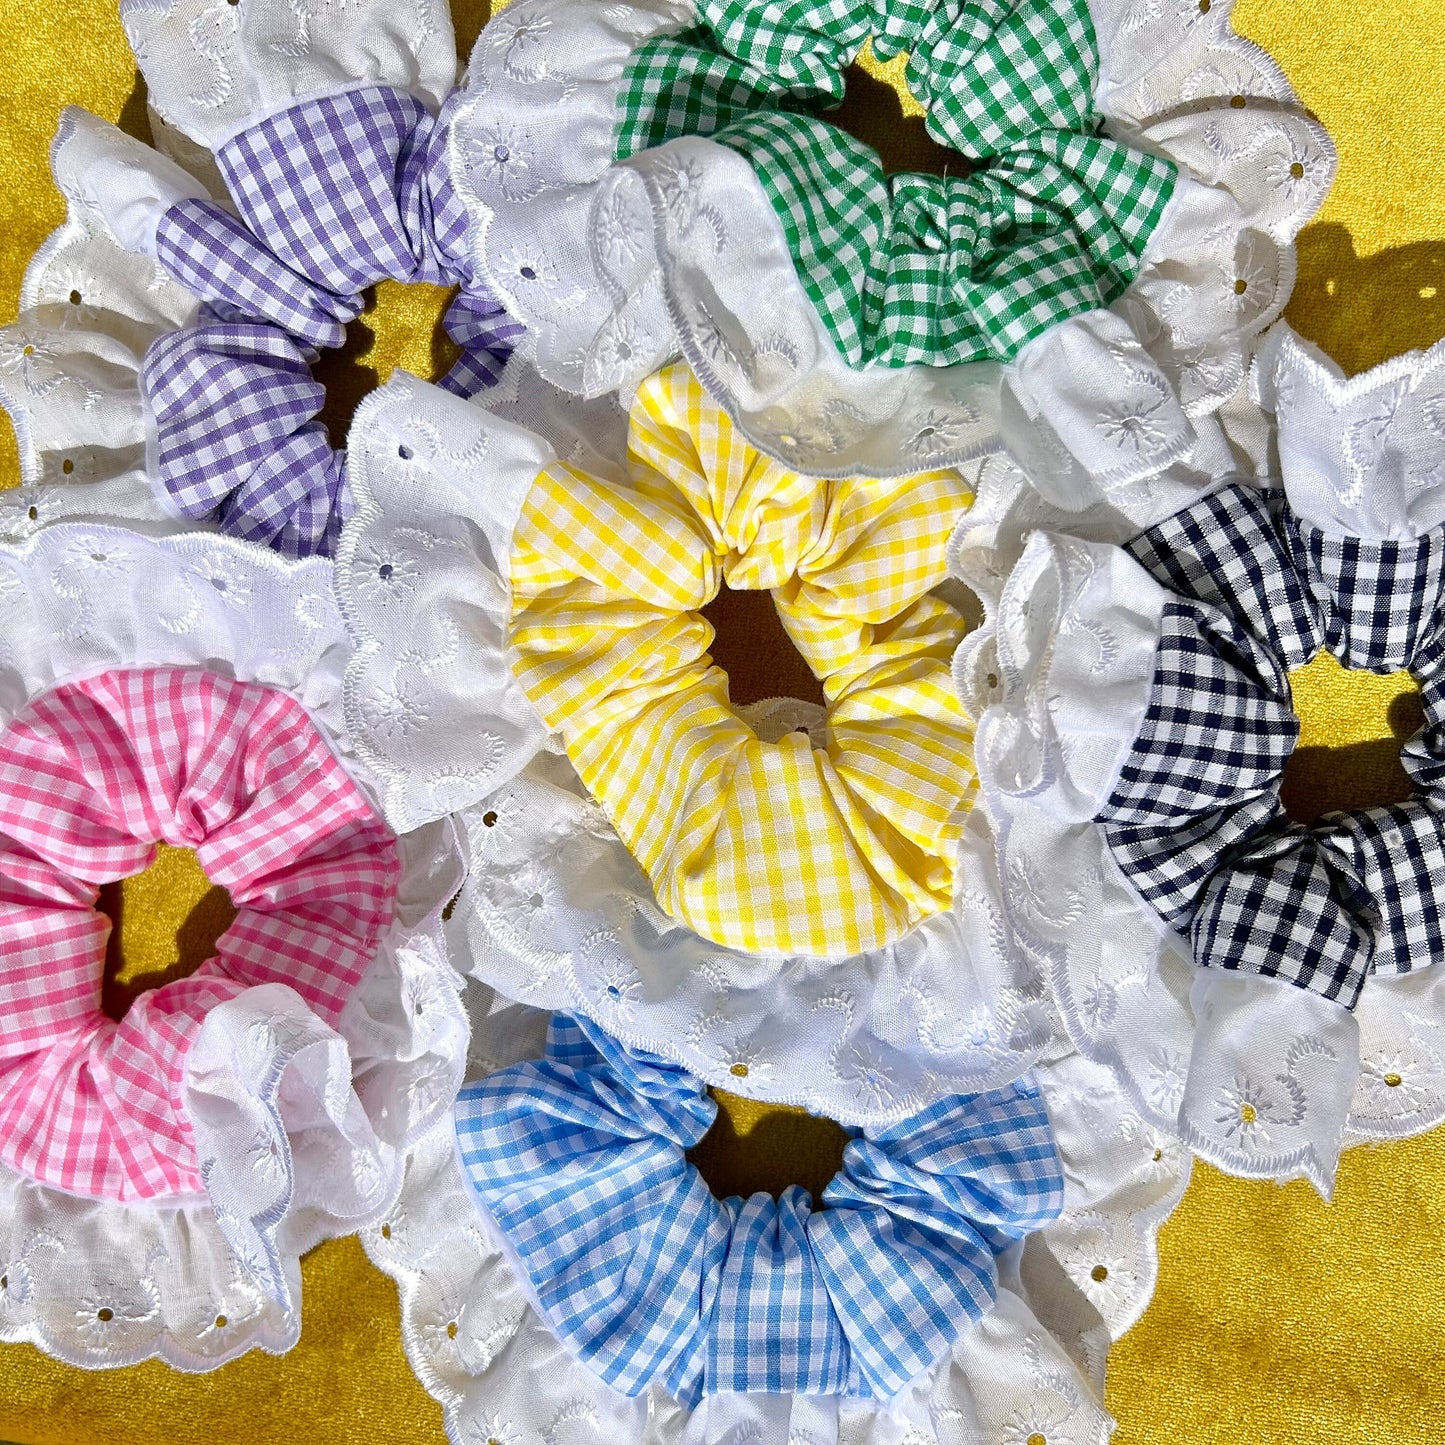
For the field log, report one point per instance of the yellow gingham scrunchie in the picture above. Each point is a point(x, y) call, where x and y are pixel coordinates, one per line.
point(783, 847)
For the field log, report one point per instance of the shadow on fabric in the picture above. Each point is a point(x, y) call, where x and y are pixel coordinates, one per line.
point(1363, 310)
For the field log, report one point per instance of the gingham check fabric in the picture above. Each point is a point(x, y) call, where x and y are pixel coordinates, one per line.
point(335, 195)
point(941, 270)
point(235, 441)
point(580, 1161)
point(1196, 821)
point(817, 846)
point(991, 73)
point(92, 775)
point(918, 268)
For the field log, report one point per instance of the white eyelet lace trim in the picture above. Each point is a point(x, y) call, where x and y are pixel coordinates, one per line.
point(213, 68)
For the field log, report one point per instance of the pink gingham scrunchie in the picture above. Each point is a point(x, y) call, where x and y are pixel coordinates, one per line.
point(92, 775)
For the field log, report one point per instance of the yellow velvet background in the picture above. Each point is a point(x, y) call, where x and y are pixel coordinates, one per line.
point(1277, 1318)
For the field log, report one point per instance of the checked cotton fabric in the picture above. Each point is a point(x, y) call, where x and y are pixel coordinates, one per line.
point(94, 774)
point(824, 846)
point(333, 195)
point(580, 1161)
point(1196, 821)
point(919, 268)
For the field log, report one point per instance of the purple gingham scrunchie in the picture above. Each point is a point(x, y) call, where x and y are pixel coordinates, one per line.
point(333, 196)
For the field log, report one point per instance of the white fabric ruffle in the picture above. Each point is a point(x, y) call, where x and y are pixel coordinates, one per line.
point(213, 67)
point(1034, 1365)
point(615, 268)
point(299, 1128)
point(89, 309)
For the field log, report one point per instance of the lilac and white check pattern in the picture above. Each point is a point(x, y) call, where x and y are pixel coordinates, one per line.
point(1196, 821)
point(235, 440)
point(580, 1160)
point(333, 195)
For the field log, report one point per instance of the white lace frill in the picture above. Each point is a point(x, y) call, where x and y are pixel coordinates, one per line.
point(615, 268)
point(555, 911)
point(213, 67)
point(299, 1128)
point(91, 303)
point(1033, 1366)
point(1262, 1078)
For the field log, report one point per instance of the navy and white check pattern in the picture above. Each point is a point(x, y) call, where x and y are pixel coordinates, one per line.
point(1195, 820)
point(236, 442)
point(333, 195)
point(580, 1160)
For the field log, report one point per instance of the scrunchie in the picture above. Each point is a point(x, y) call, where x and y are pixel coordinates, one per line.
point(580, 1161)
point(826, 846)
point(333, 195)
point(1195, 819)
point(919, 268)
point(92, 775)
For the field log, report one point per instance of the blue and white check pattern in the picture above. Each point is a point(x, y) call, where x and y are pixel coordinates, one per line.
point(580, 1160)
point(1196, 820)
point(333, 195)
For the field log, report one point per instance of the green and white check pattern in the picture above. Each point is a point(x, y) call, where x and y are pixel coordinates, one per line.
point(940, 270)
point(998, 70)
point(918, 268)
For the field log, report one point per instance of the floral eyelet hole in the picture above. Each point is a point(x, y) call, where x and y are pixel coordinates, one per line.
point(1393, 1081)
point(993, 679)
point(385, 571)
point(105, 1314)
point(67, 466)
point(29, 350)
point(1240, 286)
point(1204, 7)
point(529, 273)
point(1248, 1113)
point(34, 514)
point(222, 1322)
point(1038, 1438)
point(1158, 1155)
point(739, 1071)
point(75, 298)
point(1237, 102)
point(1099, 1273)
point(1297, 170)
point(489, 820)
point(404, 452)
point(451, 1329)
point(386, 1231)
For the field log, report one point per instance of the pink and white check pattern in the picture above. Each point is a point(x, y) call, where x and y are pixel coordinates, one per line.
point(92, 775)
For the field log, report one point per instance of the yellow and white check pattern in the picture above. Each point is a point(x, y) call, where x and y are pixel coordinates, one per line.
point(768, 847)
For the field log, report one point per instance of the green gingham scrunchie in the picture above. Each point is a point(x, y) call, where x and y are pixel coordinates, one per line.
point(917, 268)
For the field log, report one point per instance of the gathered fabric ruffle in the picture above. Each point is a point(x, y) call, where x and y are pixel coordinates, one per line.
point(1050, 219)
point(92, 775)
point(580, 1161)
point(826, 846)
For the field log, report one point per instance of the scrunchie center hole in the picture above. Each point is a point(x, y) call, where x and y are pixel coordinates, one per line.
point(164, 925)
point(878, 110)
point(400, 327)
point(755, 1148)
point(752, 647)
point(1352, 723)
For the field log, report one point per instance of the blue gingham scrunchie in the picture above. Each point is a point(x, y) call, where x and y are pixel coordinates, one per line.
point(580, 1161)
